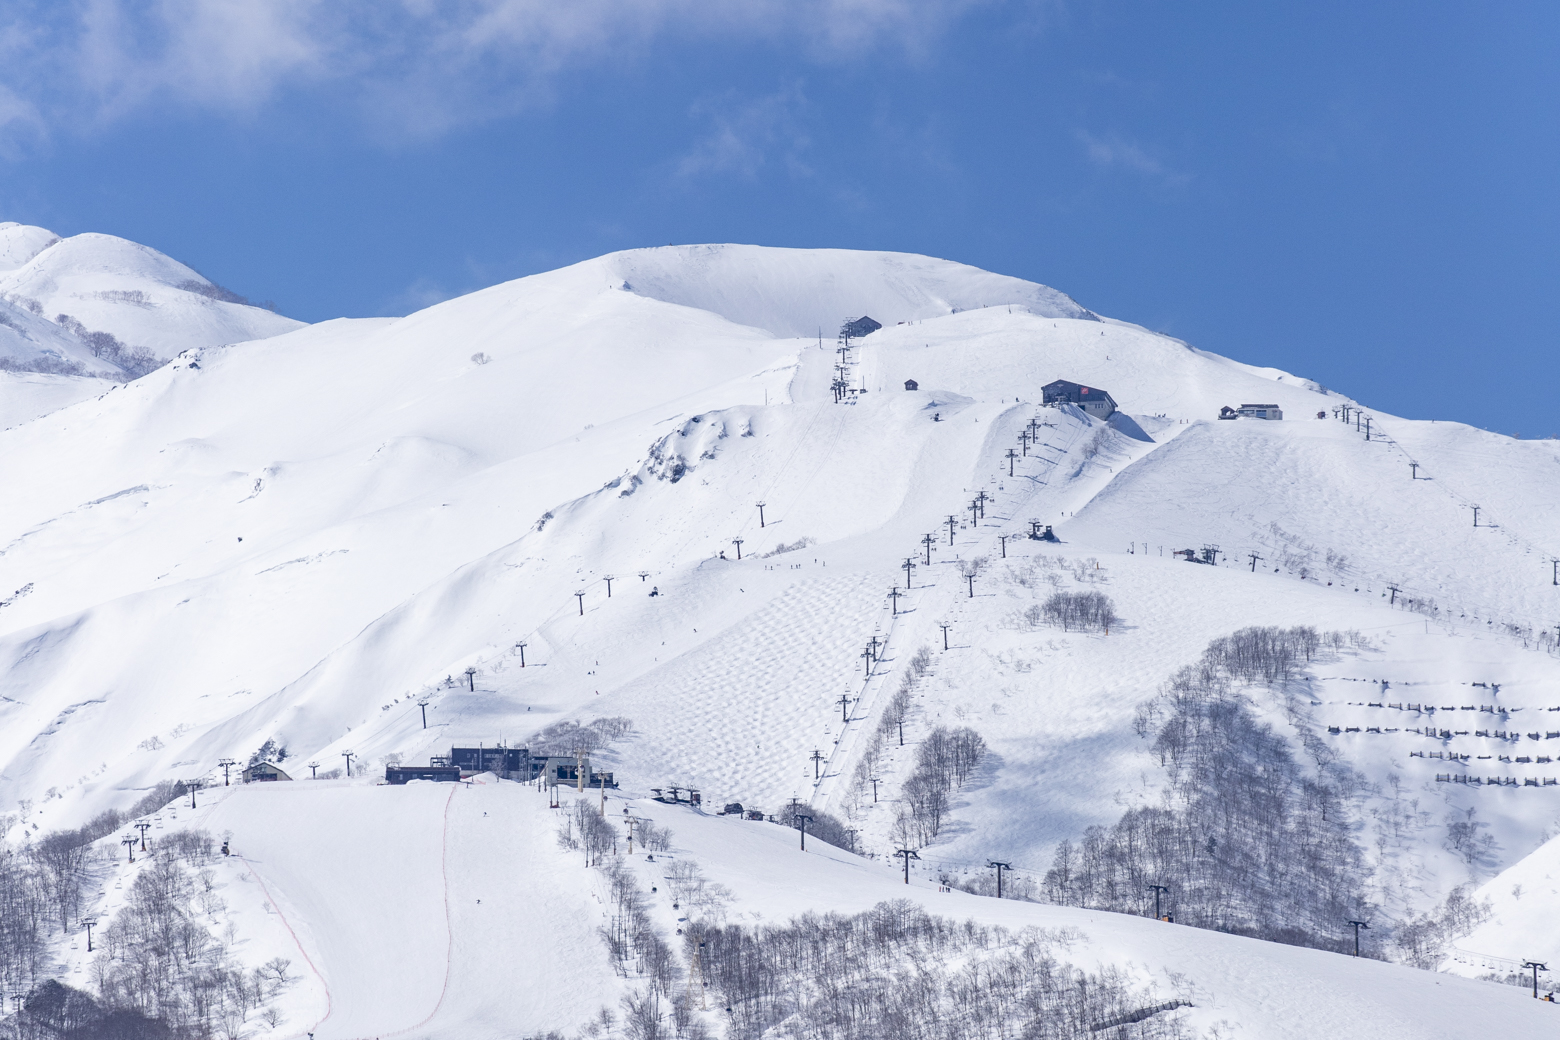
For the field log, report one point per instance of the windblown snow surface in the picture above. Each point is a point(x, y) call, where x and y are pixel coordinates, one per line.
point(301, 537)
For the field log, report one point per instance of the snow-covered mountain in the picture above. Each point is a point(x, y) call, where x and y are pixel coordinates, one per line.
point(104, 308)
point(307, 538)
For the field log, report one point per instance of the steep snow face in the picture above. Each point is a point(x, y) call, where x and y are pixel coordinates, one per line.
point(800, 292)
point(108, 285)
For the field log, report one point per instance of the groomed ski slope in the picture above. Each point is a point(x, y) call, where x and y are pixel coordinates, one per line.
point(298, 538)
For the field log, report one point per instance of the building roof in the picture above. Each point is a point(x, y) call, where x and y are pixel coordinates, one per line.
point(1065, 390)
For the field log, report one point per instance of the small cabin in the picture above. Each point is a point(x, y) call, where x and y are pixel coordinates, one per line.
point(911, 384)
point(405, 774)
point(264, 772)
point(1091, 399)
point(1259, 411)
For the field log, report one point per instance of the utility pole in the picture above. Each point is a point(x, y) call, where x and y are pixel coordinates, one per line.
point(909, 565)
point(581, 597)
point(802, 820)
point(471, 678)
point(738, 543)
point(844, 703)
point(953, 521)
point(1413, 471)
point(349, 756)
point(1159, 890)
point(1535, 967)
point(817, 758)
point(1254, 559)
point(908, 854)
point(609, 579)
point(143, 827)
point(520, 646)
point(226, 764)
point(424, 706)
point(945, 628)
point(927, 541)
point(129, 844)
point(893, 595)
point(1000, 868)
point(1357, 926)
point(1012, 456)
point(89, 922)
point(760, 514)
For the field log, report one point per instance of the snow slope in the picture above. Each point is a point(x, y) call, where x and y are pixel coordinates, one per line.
point(299, 538)
point(107, 284)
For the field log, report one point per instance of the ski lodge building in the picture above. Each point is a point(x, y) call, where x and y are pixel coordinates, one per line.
point(506, 762)
point(262, 772)
point(1259, 411)
point(1091, 399)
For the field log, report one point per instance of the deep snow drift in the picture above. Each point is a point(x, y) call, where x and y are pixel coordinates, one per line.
point(300, 538)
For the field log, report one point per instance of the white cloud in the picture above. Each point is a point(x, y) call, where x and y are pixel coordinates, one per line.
point(1115, 151)
point(415, 66)
point(747, 135)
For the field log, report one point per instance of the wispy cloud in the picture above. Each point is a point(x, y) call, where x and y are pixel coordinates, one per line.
point(747, 135)
point(411, 66)
point(1115, 151)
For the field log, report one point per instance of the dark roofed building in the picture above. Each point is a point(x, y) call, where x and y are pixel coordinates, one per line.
point(1091, 399)
point(403, 774)
point(503, 761)
point(911, 384)
point(262, 772)
point(855, 328)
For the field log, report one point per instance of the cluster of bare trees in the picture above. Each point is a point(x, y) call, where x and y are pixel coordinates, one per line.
point(944, 762)
point(1245, 839)
point(54, 1011)
point(1424, 941)
point(135, 362)
point(159, 972)
point(1074, 612)
point(891, 724)
point(160, 960)
point(896, 971)
point(41, 885)
point(820, 825)
point(567, 738)
point(1263, 654)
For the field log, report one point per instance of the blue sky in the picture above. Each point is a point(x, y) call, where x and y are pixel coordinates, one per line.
point(1362, 194)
